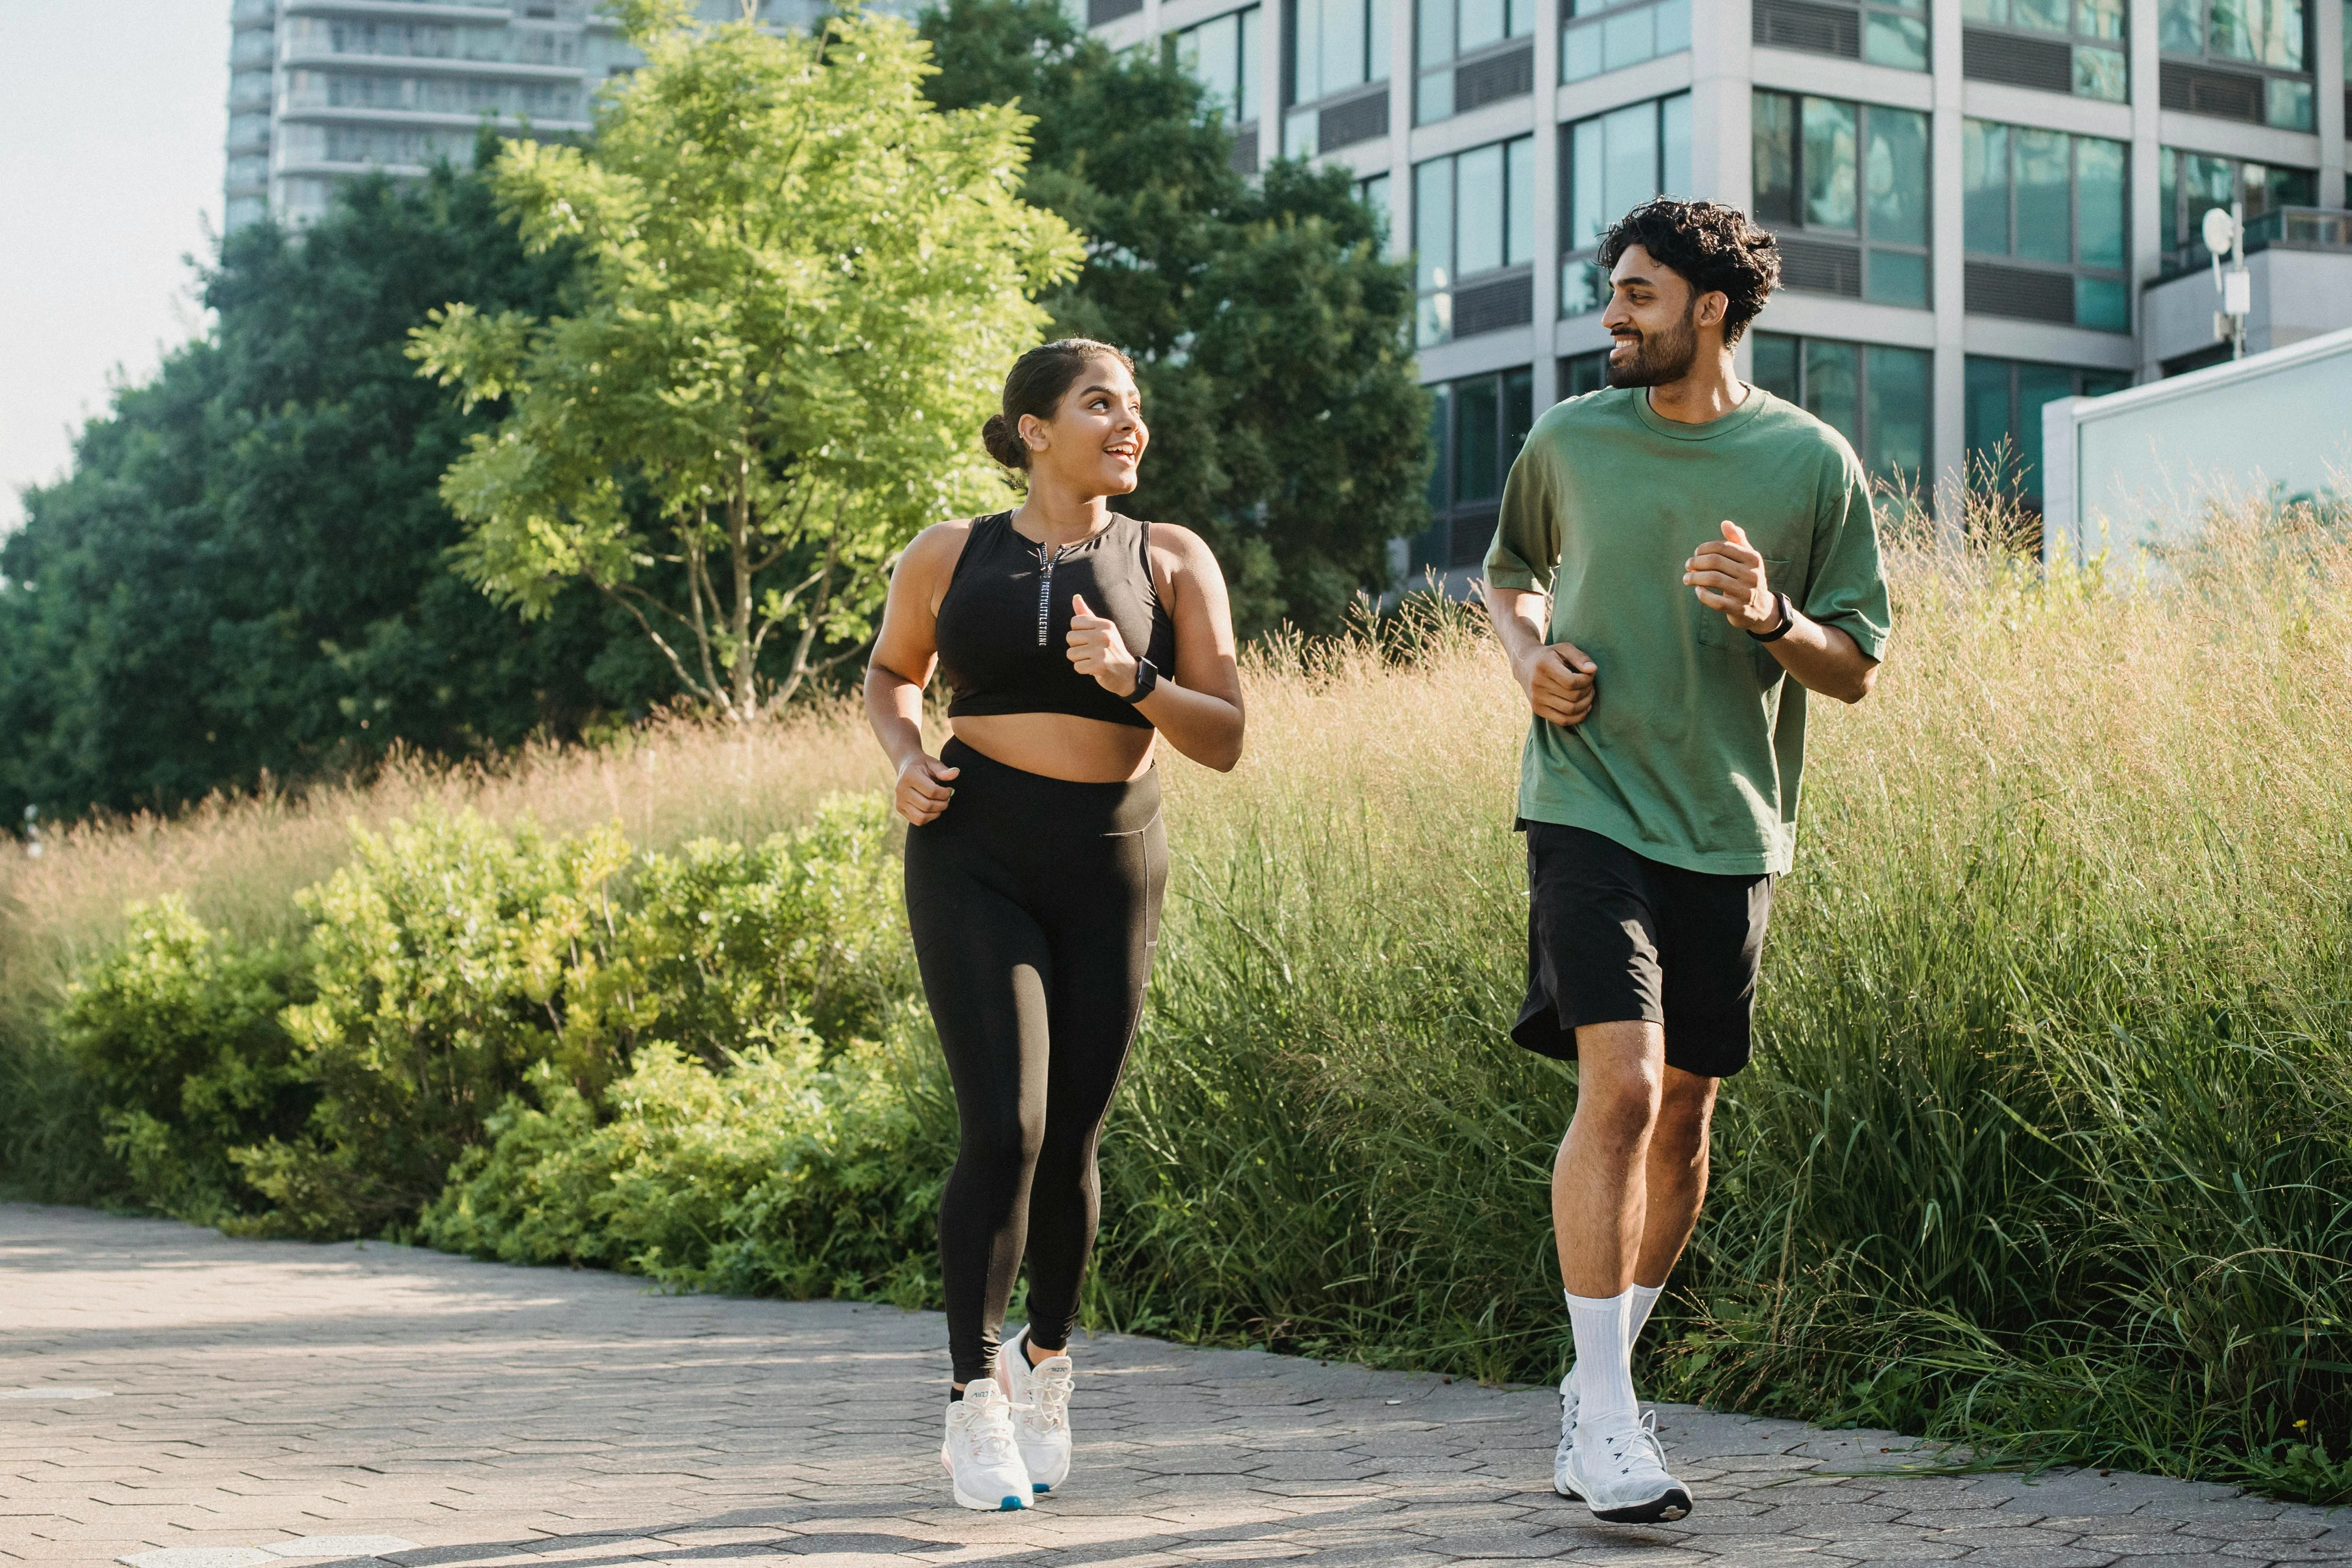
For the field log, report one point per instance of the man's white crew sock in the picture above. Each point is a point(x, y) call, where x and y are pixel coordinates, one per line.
point(1605, 1376)
point(1640, 1301)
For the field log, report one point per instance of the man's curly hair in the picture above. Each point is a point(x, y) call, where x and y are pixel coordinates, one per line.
point(1715, 248)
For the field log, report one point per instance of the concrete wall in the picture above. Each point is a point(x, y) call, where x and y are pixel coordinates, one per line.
point(2138, 466)
point(2297, 294)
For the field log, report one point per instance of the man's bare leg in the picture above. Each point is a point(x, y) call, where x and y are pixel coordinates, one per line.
point(1675, 1176)
point(1598, 1184)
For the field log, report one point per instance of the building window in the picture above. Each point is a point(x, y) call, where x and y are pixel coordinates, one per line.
point(1881, 399)
point(2057, 46)
point(1224, 56)
point(1473, 238)
point(1477, 426)
point(1470, 53)
point(2004, 419)
point(2195, 182)
point(1884, 32)
point(2239, 59)
point(1337, 52)
point(1580, 374)
point(2044, 217)
point(1609, 165)
point(1609, 35)
point(1846, 186)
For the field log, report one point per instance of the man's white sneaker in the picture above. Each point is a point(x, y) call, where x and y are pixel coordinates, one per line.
point(1041, 1410)
point(982, 1460)
point(1566, 1452)
point(1620, 1471)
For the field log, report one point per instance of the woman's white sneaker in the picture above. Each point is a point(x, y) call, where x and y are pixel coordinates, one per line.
point(1619, 1469)
point(1041, 1410)
point(983, 1460)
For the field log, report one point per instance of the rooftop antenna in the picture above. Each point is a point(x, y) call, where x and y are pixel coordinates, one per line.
point(2226, 232)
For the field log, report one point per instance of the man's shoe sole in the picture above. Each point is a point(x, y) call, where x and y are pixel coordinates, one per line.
point(1669, 1506)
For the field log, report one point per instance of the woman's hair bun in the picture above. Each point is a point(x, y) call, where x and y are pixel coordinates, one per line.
point(1002, 444)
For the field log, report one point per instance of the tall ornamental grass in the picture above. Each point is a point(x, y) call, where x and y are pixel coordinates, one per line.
point(2043, 1148)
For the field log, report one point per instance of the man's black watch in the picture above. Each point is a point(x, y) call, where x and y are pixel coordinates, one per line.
point(1147, 675)
point(1788, 620)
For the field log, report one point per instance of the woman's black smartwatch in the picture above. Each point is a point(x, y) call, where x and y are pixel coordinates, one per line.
point(1788, 620)
point(1147, 675)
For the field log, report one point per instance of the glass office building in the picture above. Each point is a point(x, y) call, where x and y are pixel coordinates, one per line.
point(1973, 197)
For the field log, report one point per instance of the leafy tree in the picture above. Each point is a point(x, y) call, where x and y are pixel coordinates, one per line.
point(799, 287)
point(1288, 427)
point(244, 572)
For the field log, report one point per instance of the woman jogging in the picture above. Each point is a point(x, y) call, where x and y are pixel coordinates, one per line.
point(1070, 637)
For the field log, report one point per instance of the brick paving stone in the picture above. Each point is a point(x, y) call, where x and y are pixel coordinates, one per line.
point(260, 1394)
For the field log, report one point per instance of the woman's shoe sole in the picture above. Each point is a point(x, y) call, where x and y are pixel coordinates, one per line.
point(1010, 1504)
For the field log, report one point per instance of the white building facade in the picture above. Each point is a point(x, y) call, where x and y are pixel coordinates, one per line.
point(1972, 195)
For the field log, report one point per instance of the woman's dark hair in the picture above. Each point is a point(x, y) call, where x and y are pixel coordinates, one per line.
point(1715, 250)
point(1035, 386)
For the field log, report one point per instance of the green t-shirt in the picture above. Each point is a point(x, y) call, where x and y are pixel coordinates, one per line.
point(1696, 743)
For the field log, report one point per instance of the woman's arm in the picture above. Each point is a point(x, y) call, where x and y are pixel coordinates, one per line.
point(1197, 705)
point(901, 667)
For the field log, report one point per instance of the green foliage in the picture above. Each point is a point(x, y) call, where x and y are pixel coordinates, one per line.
point(244, 572)
point(451, 957)
point(786, 1171)
point(1288, 424)
point(179, 1035)
point(798, 283)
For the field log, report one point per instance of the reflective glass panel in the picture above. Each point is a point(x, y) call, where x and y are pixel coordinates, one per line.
point(2044, 222)
point(2099, 18)
point(2036, 385)
point(1342, 45)
point(1435, 32)
point(1478, 219)
point(1898, 176)
point(1433, 223)
point(1306, 59)
point(1993, 11)
point(2099, 198)
point(1897, 278)
point(2101, 303)
point(1583, 373)
point(1898, 41)
point(1579, 54)
point(2287, 104)
point(2101, 74)
point(1519, 209)
point(1477, 438)
point(1441, 419)
point(2042, 15)
point(1832, 384)
point(1675, 158)
point(1587, 190)
point(1773, 137)
point(1775, 364)
point(1482, 22)
point(1986, 417)
point(1829, 170)
point(1674, 26)
point(1253, 85)
point(1632, 158)
point(1518, 412)
point(1900, 392)
point(1626, 39)
point(2180, 26)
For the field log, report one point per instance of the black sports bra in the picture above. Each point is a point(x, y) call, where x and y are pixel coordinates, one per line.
point(1005, 622)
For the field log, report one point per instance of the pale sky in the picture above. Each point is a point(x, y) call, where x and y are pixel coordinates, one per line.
point(112, 120)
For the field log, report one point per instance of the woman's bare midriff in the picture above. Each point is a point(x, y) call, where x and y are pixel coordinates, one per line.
point(1059, 746)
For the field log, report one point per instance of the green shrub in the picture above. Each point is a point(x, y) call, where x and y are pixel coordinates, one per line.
point(179, 1035)
point(791, 1171)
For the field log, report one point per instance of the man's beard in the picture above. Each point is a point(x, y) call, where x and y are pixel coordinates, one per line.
point(1658, 361)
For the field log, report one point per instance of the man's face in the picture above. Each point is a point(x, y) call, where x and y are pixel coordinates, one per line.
point(1653, 320)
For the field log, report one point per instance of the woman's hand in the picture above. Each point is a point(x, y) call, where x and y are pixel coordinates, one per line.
point(1098, 650)
point(923, 791)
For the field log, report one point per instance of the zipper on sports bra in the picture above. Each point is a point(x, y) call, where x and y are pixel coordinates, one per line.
point(1045, 586)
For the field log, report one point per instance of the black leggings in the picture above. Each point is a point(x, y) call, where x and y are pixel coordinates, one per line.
point(1036, 906)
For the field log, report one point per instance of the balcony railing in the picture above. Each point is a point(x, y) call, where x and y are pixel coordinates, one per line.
point(2288, 229)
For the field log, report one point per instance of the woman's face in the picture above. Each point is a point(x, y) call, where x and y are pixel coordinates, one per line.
point(1095, 437)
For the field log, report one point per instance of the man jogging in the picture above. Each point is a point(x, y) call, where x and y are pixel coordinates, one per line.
point(1680, 558)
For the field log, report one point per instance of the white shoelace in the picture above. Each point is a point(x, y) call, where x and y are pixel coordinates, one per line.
point(1051, 1391)
point(990, 1433)
point(1623, 1446)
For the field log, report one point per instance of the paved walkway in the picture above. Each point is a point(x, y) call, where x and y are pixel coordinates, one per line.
point(171, 1398)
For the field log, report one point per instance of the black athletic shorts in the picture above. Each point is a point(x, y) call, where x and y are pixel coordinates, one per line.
point(1615, 937)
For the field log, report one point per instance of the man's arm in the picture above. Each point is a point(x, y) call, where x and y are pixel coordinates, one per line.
point(1557, 676)
point(1727, 574)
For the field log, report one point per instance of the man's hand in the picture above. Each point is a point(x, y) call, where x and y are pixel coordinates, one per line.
point(1558, 681)
point(923, 791)
point(1096, 649)
point(1727, 574)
